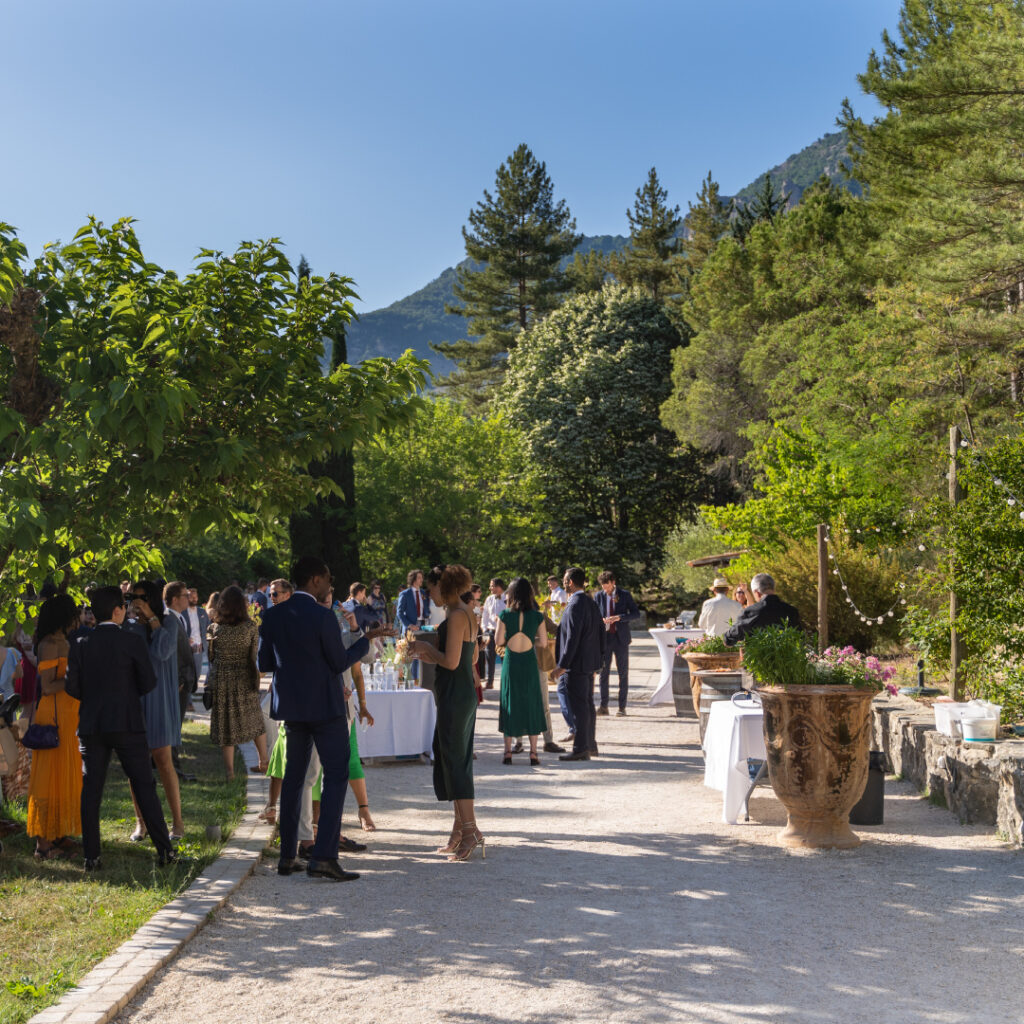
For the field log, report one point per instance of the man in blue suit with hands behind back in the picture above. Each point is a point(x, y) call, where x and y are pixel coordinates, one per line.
point(300, 642)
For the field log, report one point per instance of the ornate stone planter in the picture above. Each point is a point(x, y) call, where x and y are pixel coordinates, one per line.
point(727, 662)
point(817, 739)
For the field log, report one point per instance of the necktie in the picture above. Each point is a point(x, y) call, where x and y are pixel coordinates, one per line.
point(419, 605)
point(610, 605)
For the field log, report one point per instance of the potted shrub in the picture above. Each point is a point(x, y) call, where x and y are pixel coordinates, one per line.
point(817, 730)
point(708, 654)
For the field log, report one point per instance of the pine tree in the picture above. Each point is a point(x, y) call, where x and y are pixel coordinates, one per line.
point(653, 240)
point(516, 240)
point(587, 272)
point(705, 224)
point(766, 205)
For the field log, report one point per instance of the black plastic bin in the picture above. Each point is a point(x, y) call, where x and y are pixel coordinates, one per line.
point(870, 809)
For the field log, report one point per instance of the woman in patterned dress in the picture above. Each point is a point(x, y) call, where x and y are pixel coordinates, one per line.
point(235, 715)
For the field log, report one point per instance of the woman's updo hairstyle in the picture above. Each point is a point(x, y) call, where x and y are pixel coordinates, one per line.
point(451, 580)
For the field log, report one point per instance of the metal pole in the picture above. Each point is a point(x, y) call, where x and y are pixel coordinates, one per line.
point(822, 588)
point(956, 682)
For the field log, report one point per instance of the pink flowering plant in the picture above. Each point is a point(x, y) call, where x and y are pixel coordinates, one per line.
point(846, 666)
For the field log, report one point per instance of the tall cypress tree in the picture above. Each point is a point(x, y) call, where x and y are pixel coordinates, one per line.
point(653, 240)
point(516, 240)
point(327, 527)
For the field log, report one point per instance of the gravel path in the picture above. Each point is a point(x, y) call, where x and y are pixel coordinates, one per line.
point(612, 892)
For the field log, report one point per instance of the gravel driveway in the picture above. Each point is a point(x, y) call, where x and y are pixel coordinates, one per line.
point(612, 892)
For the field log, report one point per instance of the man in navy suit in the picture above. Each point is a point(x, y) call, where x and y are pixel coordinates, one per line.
point(617, 608)
point(579, 652)
point(413, 604)
point(300, 642)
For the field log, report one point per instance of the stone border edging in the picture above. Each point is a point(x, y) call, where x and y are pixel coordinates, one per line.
point(117, 979)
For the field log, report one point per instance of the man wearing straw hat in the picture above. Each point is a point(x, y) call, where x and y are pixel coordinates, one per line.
point(719, 612)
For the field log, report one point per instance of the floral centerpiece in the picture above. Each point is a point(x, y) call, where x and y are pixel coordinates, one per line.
point(817, 730)
point(705, 645)
point(402, 653)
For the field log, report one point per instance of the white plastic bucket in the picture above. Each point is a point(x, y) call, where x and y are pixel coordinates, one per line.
point(979, 730)
point(947, 717)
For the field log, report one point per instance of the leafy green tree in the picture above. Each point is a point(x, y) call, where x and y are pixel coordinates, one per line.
point(139, 405)
point(585, 386)
point(517, 240)
point(706, 222)
point(449, 487)
point(653, 240)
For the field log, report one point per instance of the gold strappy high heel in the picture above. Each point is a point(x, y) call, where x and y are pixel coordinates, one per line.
point(463, 852)
point(453, 841)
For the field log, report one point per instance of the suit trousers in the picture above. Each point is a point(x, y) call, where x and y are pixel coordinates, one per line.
point(330, 738)
point(579, 687)
point(563, 701)
point(132, 750)
point(491, 657)
point(621, 653)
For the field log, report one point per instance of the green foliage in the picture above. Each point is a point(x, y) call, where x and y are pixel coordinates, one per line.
point(517, 240)
point(764, 205)
point(692, 539)
point(215, 559)
point(450, 487)
point(708, 645)
point(778, 656)
point(653, 240)
point(586, 385)
point(873, 580)
point(140, 405)
point(985, 535)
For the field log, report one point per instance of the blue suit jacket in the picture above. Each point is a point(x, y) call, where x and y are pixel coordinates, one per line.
point(580, 643)
point(620, 603)
point(300, 642)
point(405, 610)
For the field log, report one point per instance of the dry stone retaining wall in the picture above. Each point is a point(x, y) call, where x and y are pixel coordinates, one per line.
point(981, 783)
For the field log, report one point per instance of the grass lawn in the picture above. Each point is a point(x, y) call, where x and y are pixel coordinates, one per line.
point(56, 923)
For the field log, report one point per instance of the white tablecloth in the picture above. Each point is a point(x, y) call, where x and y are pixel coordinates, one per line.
point(735, 732)
point(403, 723)
point(666, 641)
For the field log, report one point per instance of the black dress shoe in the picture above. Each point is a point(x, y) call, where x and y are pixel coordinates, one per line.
point(166, 860)
point(592, 752)
point(574, 757)
point(304, 852)
point(329, 869)
point(553, 748)
point(185, 776)
point(288, 867)
point(92, 864)
point(350, 845)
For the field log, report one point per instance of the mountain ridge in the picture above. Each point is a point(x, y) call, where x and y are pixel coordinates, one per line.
point(419, 319)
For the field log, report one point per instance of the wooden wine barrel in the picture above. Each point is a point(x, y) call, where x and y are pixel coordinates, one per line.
point(681, 693)
point(728, 660)
point(715, 686)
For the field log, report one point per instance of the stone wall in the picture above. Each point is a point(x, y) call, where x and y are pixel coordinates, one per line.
point(981, 783)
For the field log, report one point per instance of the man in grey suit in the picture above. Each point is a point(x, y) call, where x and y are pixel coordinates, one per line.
point(176, 600)
point(198, 624)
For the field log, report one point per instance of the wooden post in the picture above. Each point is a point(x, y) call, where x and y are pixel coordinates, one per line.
point(822, 588)
point(955, 680)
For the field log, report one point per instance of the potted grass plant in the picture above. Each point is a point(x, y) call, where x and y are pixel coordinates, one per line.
point(817, 730)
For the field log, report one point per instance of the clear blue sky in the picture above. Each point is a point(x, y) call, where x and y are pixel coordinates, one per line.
point(363, 133)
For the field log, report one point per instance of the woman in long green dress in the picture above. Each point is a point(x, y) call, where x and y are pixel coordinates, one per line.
point(456, 705)
point(520, 632)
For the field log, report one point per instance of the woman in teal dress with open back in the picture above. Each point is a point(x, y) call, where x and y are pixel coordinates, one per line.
point(520, 632)
point(455, 692)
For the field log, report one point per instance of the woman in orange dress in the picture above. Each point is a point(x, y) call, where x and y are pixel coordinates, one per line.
point(55, 785)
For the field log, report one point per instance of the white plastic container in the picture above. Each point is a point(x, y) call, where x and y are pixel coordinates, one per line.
point(947, 717)
point(980, 721)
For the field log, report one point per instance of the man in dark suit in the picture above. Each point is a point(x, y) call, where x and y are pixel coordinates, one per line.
point(412, 606)
point(108, 671)
point(198, 624)
point(176, 601)
point(300, 642)
point(768, 610)
point(617, 609)
point(579, 652)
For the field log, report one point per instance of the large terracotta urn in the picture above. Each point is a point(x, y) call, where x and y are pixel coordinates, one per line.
point(725, 661)
point(817, 738)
